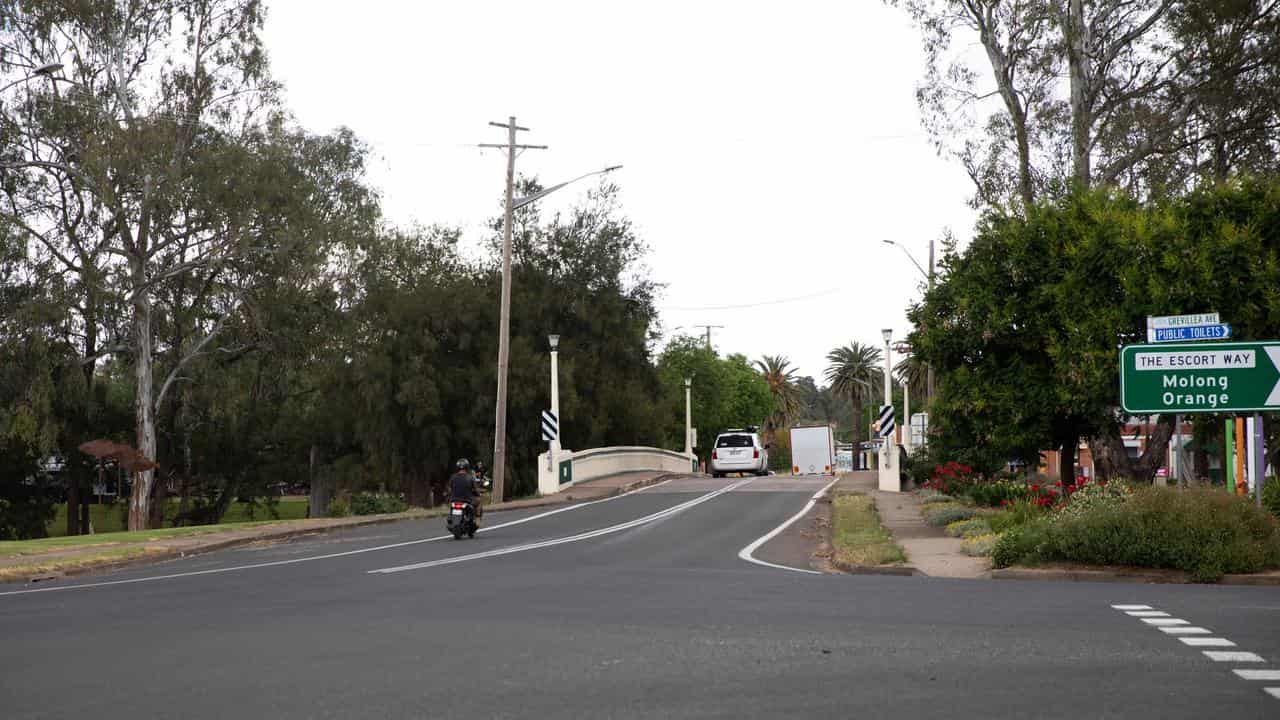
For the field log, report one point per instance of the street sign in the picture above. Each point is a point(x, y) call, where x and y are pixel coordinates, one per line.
point(1187, 333)
point(1173, 321)
point(886, 420)
point(1200, 377)
point(550, 426)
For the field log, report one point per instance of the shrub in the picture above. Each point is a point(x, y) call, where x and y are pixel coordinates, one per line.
point(951, 478)
point(1017, 513)
point(937, 498)
point(943, 515)
point(969, 528)
point(339, 508)
point(1093, 497)
point(978, 545)
point(366, 503)
point(995, 494)
point(1203, 532)
point(1271, 495)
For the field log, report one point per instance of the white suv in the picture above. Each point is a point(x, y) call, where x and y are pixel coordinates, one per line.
point(739, 451)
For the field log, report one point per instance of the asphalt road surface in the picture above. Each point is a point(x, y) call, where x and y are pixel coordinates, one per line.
point(639, 606)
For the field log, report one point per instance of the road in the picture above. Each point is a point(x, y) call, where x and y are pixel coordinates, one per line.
point(634, 607)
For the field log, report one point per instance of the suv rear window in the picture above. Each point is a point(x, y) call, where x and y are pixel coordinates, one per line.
point(734, 441)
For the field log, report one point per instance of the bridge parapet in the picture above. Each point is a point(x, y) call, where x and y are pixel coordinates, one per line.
point(569, 468)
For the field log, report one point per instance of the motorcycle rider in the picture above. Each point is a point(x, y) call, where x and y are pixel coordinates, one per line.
point(462, 487)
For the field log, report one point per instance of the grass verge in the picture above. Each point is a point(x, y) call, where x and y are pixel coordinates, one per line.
point(857, 538)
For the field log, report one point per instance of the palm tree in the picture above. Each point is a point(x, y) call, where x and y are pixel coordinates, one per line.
point(855, 370)
point(781, 377)
point(913, 374)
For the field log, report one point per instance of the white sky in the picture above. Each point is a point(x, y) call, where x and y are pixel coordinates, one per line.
point(767, 147)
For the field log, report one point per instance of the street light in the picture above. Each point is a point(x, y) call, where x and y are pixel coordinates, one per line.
point(928, 276)
point(888, 456)
point(504, 322)
point(688, 416)
point(43, 70)
point(554, 342)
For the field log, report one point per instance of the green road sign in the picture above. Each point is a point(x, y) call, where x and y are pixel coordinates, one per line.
point(1200, 377)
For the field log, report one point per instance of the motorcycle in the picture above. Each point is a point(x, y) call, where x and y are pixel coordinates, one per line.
point(461, 519)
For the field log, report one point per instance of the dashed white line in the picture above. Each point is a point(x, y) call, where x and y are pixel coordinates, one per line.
point(1164, 621)
point(330, 556)
point(1258, 674)
point(1146, 613)
point(1232, 656)
point(1185, 630)
point(748, 553)
point(1131, 607)
point(1207, 642)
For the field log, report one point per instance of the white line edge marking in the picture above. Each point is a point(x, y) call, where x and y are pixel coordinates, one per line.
point(1185, 630)
point(293, 561)
point(1273, 692)
point(1207, 642)
point(1258, 674)
point(1232, 656)
point(747, 553)
point(1131, 607)
point(563, 540)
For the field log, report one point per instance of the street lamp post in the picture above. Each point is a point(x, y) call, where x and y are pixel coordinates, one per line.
point(688, 417)
point(554, 341)
point(928, 276)
point(504, 312)
point(889, 450)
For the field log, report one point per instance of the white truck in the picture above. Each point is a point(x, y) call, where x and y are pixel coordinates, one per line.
point(813, 451)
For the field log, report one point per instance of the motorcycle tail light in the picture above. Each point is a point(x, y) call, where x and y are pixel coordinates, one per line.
point(459, 505)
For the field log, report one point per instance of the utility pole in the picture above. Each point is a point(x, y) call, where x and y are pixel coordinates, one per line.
point(504, 315)
point(709, 329)
point(928, 371)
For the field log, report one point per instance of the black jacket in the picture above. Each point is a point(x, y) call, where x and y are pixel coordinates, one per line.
point(462, 487)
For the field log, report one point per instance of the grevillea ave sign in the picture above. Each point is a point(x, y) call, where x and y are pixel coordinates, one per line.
point(1191, 378)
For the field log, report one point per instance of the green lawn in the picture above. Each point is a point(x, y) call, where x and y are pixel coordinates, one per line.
point(111, 518)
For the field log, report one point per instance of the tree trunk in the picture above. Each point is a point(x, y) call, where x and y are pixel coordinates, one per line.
point(318, 504)
point(1077, 39)
point(158, 500)
point(143, 407)
point(85, 527)
point(857, 431)
point(73, 501)
point(1067, 460)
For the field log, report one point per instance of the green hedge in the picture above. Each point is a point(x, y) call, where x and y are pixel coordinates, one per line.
point(1203, 532)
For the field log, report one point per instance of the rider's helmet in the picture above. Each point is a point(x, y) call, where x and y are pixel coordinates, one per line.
point(479, 467)
point(463, 464)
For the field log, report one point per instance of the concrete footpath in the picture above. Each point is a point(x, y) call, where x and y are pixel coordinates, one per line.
point(929, 550)
point(102, 552)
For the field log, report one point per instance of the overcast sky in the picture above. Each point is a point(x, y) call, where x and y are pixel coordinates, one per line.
point(768, 148)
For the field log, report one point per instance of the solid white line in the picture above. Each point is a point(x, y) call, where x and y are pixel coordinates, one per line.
point(1186, 630)
point(1207, 642)
point(1273, 692)
point(564, 540)
point(747, 553)
point(1146, 613)
point(1258, 674)
point(1232, 656)
point(1131, 607)
point(1164, 621)
point(277, 563)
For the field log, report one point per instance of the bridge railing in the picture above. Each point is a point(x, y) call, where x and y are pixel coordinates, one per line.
point(569, 468)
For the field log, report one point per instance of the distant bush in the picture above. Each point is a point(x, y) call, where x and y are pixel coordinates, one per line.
point(978, 545)
point(944, 515)
point(1017, 513)
point(367, 503)
point(1271, 495)
point(339, 508)
point(997, 493)
point(969, 528)
point(1206, 533)
point(1092, 497)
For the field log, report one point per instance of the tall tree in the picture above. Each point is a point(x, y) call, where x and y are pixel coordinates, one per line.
point(854, 371)
point(781, 378)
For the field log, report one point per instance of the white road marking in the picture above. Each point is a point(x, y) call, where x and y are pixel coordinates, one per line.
point(1273, 692)
point(329, 556)
point(1146, 613)
point(1232, 656)
point(1164, 621)
point(1131, 607)
point(1186, 630)
point(564, 540)
point(747, 553)
point(1207, 642)
point(1258, 674)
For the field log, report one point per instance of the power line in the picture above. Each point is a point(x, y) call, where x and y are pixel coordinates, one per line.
point(763, 303)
